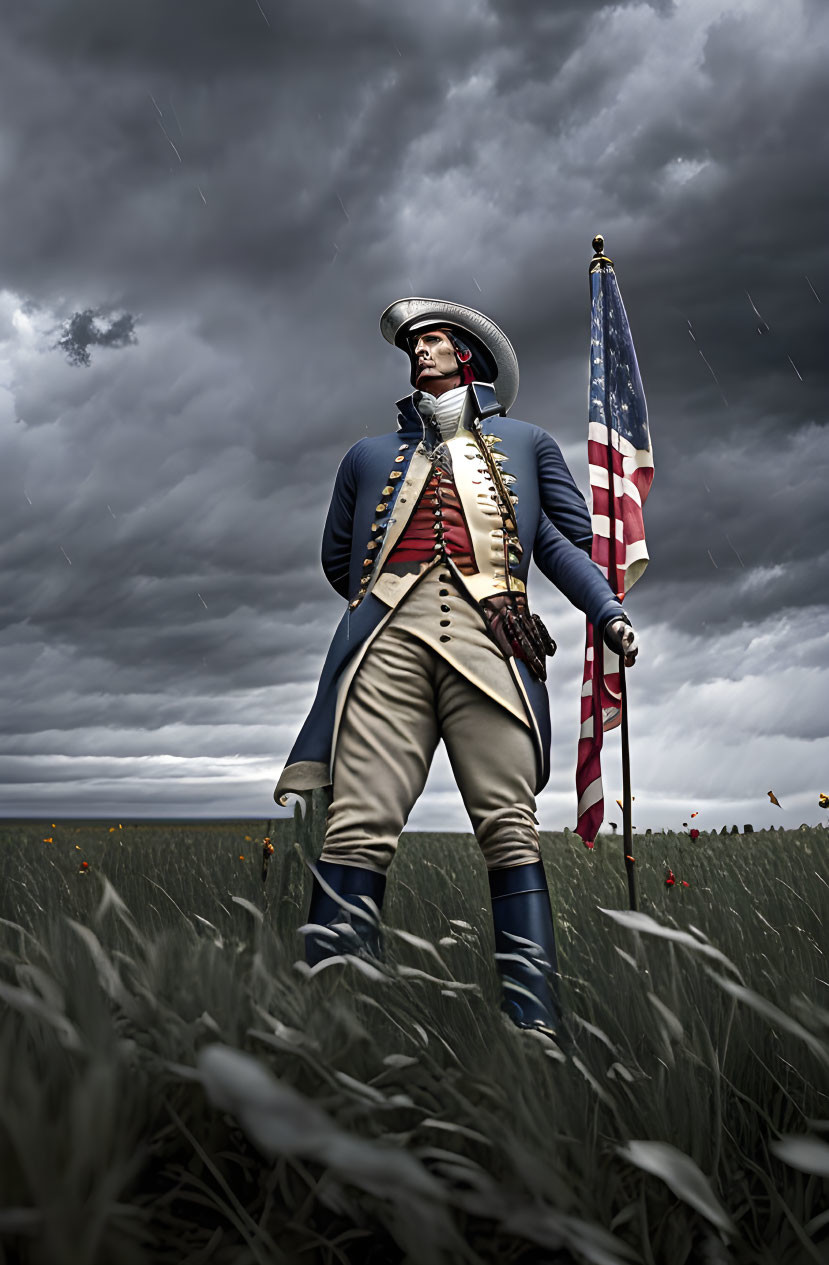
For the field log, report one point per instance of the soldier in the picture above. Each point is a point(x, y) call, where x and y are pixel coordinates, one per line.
point(428, 538)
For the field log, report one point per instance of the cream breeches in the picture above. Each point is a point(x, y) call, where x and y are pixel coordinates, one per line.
point(403, 699)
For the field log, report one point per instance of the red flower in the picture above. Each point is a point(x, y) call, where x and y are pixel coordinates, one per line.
point(84, 865)
point(694, 834)
point(669, 879)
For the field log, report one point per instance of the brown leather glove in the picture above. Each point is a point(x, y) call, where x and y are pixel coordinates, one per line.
point(517, 632)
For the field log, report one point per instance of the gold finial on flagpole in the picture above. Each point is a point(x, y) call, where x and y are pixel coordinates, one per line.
point(599, 257)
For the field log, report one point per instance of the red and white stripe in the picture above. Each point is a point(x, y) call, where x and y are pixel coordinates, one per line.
point(623, 565)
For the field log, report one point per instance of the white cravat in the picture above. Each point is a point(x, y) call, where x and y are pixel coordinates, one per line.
point(445, 412)
point(448, 409)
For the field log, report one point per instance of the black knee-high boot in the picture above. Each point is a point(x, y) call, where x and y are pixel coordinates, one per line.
point(520, 914)
point(346, 930)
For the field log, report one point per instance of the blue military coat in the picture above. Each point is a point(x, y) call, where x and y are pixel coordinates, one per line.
point(376, 492)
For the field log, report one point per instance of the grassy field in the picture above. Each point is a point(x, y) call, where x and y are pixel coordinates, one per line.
point(175, 1088)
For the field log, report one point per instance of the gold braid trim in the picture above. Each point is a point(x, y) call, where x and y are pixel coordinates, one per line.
point(504, 500)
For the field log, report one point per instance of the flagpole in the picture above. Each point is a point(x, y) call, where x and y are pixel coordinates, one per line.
point(627, 805)
point(600, 261)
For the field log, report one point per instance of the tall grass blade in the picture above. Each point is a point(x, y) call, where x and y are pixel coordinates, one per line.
point(809, 1154)
point(679, 1172)
point(28, 1003)
point(774, 1015)
point(634, 920)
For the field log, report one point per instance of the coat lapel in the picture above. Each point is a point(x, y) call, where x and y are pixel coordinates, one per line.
point(411, 487)
point(474, 487)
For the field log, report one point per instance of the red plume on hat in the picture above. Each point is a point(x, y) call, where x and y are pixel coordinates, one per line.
point(464, 357)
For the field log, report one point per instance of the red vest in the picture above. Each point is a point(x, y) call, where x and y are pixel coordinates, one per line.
point(437, 527)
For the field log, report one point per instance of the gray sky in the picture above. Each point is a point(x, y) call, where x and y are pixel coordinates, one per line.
point(252, 183)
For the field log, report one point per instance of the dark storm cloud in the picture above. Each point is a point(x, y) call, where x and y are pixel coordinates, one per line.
point(85, 329)
point(261, 144)
point(254, 139)
point(255, 183)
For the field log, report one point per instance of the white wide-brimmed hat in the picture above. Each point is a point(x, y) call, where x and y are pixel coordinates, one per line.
point(405, 317)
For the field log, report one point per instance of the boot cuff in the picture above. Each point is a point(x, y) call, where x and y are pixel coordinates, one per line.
point(516, 879)
point(353, 880)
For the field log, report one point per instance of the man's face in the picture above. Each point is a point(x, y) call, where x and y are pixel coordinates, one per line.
point(435, 357)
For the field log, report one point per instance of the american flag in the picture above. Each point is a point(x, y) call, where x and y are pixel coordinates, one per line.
point(617, 440)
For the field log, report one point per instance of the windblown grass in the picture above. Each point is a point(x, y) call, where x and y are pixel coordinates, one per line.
point(174, 1088)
